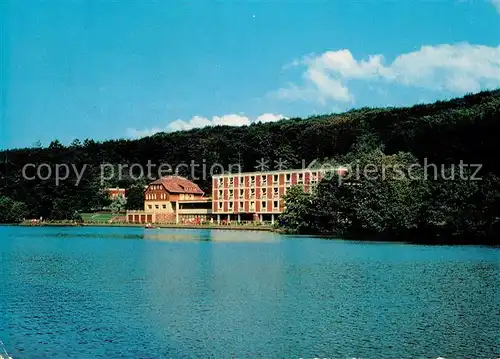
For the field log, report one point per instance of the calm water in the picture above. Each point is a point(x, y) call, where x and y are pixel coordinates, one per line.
point(136, 293)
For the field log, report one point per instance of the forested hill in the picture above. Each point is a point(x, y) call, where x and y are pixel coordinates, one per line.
point(466, 128)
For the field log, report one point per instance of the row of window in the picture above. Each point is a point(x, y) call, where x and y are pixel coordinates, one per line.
point(288, 178)
point(157, 206)
point(263, 192)
point(241, 205)
point(152, 196)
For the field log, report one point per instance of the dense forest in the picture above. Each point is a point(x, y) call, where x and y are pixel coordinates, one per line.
point(465, 129)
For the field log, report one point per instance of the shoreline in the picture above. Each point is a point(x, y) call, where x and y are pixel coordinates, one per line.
point(159, 226)
point(432, 241)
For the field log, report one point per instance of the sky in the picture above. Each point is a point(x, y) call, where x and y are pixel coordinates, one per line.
point(127, 69)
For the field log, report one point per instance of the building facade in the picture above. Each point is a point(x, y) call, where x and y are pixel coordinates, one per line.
point(115, 192)
point(172, 199)
point(249, 196)
point(258, 195)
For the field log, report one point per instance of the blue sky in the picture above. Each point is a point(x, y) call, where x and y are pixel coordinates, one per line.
point(109, 69)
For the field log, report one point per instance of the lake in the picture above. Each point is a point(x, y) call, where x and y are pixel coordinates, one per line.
point(82, 292)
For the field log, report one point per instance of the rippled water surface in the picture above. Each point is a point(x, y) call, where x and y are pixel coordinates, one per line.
point(161, 293)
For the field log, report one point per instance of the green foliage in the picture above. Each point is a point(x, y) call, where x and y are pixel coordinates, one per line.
point(19, 211)
point(387, 197)
point(445, 132)
point(118, 204)
point(295, 218)
point(392, 196)
point(463, 207)
point(135, 197)
point(12, 211)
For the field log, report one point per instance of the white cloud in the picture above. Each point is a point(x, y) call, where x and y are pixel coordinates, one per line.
point(457, 68)
point(496, 4)
point(133, 132)
point(269, 117)
point(199, 122)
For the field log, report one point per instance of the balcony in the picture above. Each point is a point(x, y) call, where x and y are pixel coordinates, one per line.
point(196, 210)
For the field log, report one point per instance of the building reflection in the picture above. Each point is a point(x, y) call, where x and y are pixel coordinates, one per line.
point(209, 235)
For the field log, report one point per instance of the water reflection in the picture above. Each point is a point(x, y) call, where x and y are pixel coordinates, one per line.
point(135, 292)
point(208, 235)
point(153, 234)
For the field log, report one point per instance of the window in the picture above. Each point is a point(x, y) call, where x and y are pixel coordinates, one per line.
point(231, 194)
point(231, 181)
point(242, 205)
point(220, 205)
point(157, 206)
point(264, 203)
point(301, 178)
point(264, 179)
point(252, 180)
point(252, 192)
point(220, 193)
point(275, 204)
point(221, 182)
point(242, 181)
point(275, 178)
point(288, 177)
point(242, 192)
point(150, 206)
point(252, 206)
point(275, 192)
point(230, 205)
point(264, 192)
point(164, 206)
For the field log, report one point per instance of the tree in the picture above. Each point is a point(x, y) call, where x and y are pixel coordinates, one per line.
point(65, 207)
point(5, 209)
point(461, 207)
point(19, 211)
point(387, 195)
point(12, 211)
point(377, 198)
point(295, 217)
point(135, 197)
point(56, 144)
point(118, 204)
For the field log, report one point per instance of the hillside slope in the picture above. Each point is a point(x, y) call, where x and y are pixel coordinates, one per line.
point(466, 128)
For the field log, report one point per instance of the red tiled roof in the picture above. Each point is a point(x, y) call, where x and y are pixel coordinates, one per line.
point(178, 184)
